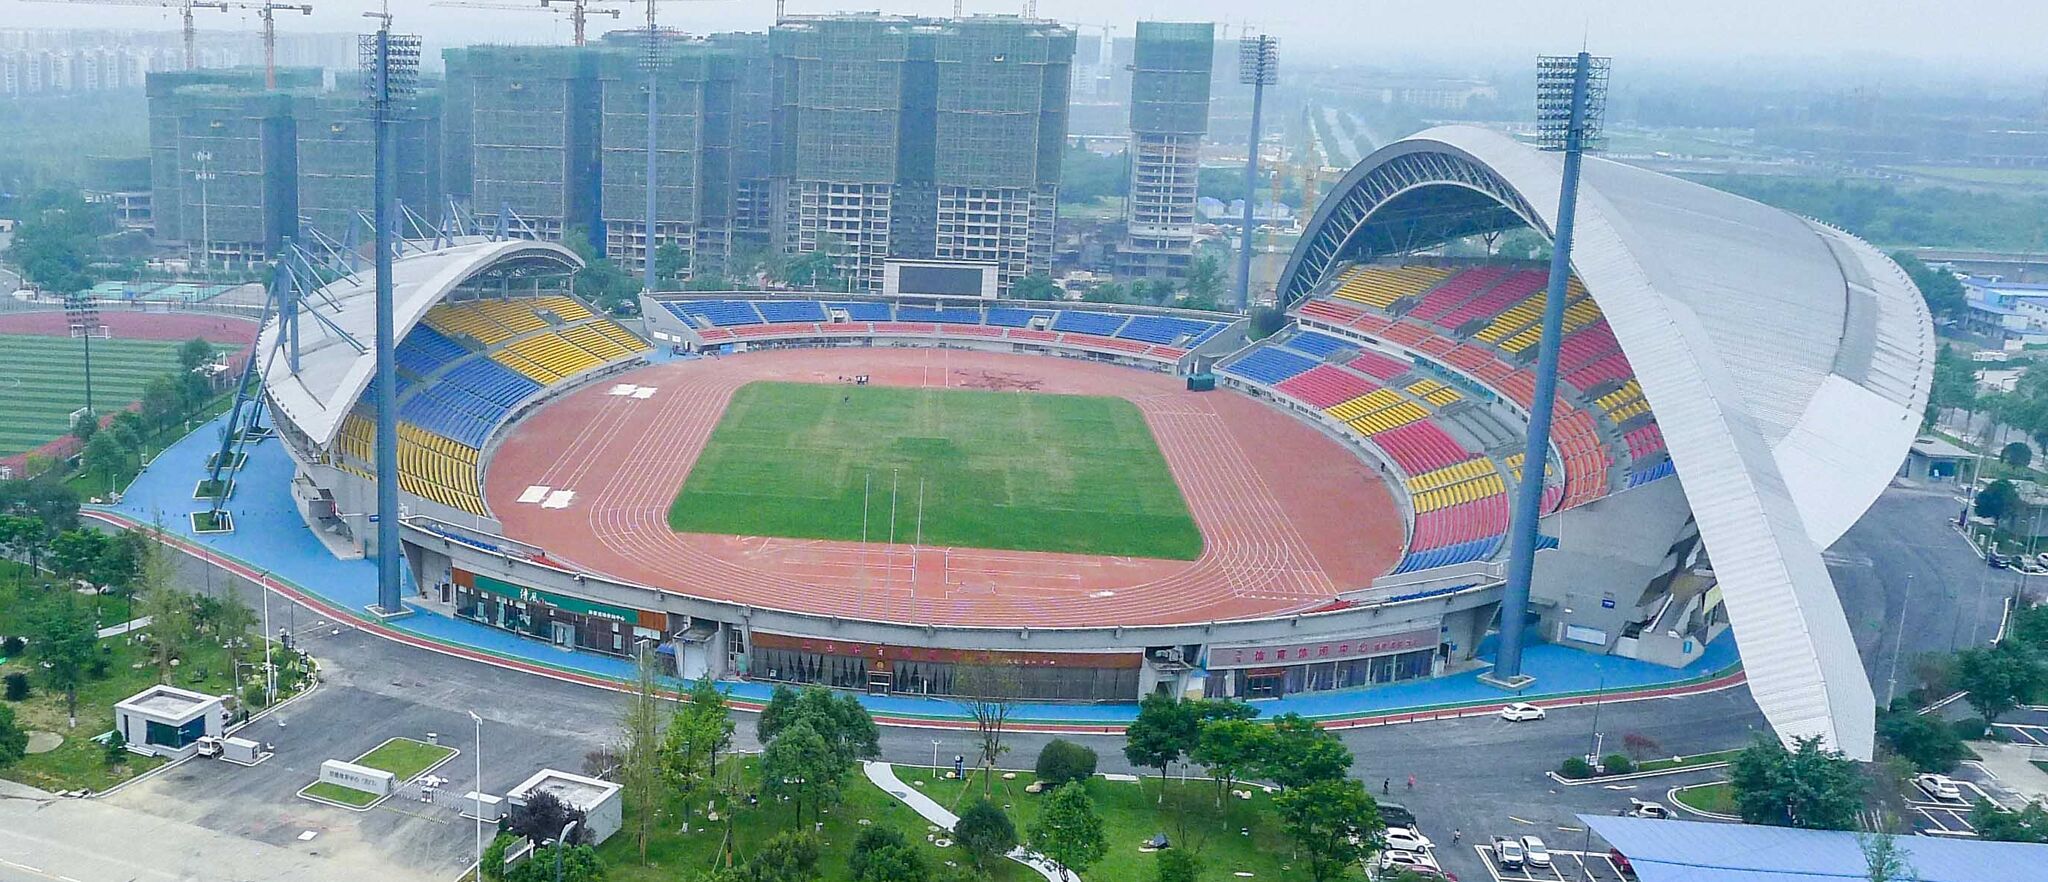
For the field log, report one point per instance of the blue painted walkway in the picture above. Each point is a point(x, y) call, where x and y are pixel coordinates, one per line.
point(270, 536)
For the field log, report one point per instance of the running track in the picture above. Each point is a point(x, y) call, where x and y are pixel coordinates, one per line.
point(1289, 517)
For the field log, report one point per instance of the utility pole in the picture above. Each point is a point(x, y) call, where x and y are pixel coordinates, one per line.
point(1571, 92)
point(204, 176)
point(1258, 66)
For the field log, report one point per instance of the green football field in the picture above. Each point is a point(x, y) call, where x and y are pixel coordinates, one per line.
point(42, 380)
point(1009, 470)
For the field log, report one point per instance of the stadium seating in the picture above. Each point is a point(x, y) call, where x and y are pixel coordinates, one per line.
point(1318, 345)
point(1268, 364)
point(865, 310)
point(1101, 324)
point(425, 351)
point(1167, 330)
point(1382, 286)
point(715, 313)
point(1014, 318)
point(1326, 386)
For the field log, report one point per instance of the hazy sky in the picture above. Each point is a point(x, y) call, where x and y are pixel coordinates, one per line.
point(1964, 32)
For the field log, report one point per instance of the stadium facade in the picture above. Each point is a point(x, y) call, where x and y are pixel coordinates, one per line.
point(1739, 385)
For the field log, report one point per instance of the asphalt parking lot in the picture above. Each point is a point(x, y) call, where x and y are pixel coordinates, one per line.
point(1564, 865)
point(341, 719)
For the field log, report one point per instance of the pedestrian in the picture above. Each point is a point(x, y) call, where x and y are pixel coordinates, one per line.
point(1386, 785)
point(1411, 782)
point(1456, 834)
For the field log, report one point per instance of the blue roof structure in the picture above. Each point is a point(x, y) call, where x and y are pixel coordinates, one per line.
point(1690, 851)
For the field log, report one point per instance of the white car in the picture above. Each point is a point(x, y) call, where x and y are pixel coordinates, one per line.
point(1534, 852)
point(1640, 809)
point(1939, 786)
point(1393, 858)
point(1406, 839)
point(1519, 711)
point(1507, 851)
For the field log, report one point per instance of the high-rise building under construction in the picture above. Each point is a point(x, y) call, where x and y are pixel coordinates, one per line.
point(1170, 76)
point(919, 138)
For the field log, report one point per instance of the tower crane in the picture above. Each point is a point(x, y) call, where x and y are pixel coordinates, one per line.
point(578, 11)
point(268, 12)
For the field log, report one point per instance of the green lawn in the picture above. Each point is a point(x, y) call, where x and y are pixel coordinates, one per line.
point(80, 763)
point(405, 758)
point(45, 381)
point(1009, 470)
point(336, 793)
point(1717, 797)
point(1130, 815)
point(1684, 762)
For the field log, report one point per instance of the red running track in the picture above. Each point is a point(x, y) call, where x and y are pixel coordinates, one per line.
point(1289, 517)
point(129, 325)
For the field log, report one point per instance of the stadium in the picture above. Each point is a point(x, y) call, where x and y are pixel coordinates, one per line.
point(874, 492)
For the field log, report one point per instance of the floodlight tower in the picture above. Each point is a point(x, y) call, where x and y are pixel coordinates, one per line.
point(391, 65)
point(1571, 97)
point(82, 313)
point(1258, 66)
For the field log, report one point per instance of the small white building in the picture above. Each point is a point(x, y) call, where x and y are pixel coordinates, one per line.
point(598, 801)
point(168, 722)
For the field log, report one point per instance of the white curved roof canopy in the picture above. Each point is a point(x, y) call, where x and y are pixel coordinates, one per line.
point(1788, 365)
point(332, 373)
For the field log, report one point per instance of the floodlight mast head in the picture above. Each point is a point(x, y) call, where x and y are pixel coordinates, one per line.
point(1258, 61)
point(1563, 121)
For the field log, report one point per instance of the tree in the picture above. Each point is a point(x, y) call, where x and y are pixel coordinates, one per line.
point(778, 713)
point(1997, 500)
point(1067, 831)
point(2000, 678)
point(74, 554)
point(116, 748)
point(800, 766)
point(13, 741)
point(2017, 454)
point(1107, 292)
point(1301, 752)
point(1205, 277)
point(1940, 288)
point(670, 263)
point(640, 754)
point(2029, 824)
point(66, 645)
point(700, 730)
point(1037, 286)
point(1884, 860)
point(1807, 786)
point(1063, 762)
point(16, 688)
point(168, 609)
point(985, 832)
point(1266, 321)
point(104, 458)
point(1231, 749)
point(1176, 865)
point(163, 404)
point(542, 816)
point(193, 353)
point(785, 857)
point(1162, 733)
point(814, 269)
point(579, 864)
point(881, 854)
point(1927, 742)
point(989, 690)
point(1334, 823)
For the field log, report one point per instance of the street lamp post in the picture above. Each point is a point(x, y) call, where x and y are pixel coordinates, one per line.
point(935, 758)
point(203, 176)
point(561, 845)
point(479, 791)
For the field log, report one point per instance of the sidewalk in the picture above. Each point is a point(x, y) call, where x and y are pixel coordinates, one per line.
point(272, 546)
point(885, 777)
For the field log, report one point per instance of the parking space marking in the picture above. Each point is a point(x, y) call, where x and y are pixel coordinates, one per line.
point(2031, 734)
point(1946, 820)
point(1564, 867)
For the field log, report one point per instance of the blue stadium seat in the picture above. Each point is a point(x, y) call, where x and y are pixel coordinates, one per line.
point(865, 310)
point(1318, 345)
point(1269, 365)
point(1164, 330)
point(791, 310)
point(955, 315)
point(425, 351)
point(718, 313)
point(1101, 324)
point(1013, 318)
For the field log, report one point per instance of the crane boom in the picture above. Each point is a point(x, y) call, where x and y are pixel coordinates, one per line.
point(184, 8)
point(578, 11)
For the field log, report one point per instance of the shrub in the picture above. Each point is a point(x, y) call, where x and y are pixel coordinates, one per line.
point(1971, 728)
point(1063, 761)
point(17, 686)
point(1617, 764)
point(117, 748)
point(1176, 865)
point(252, 697)
point(12, 647)
point(1575, 767)
point(985, 832)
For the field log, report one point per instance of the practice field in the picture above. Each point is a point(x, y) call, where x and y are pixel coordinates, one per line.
point(1008, 470)
point(43, 381)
